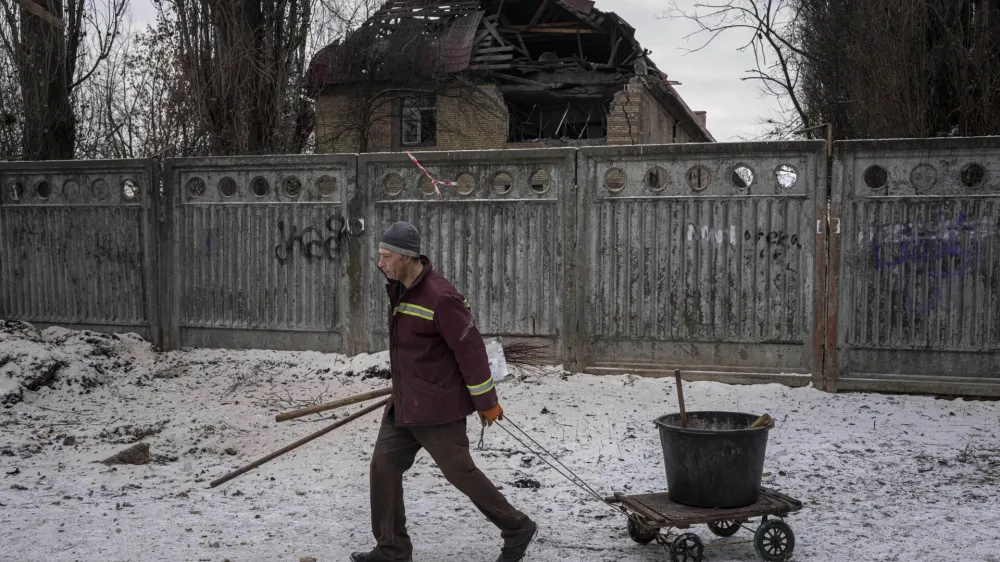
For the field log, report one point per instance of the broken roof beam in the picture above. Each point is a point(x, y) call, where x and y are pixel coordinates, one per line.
point(503, 49)
point(541, 32)
point(491, 58)
point(576, 92)
point(614, 51)
point(568, 26)
point(538, 14)
point(526, 82)
point(489, 28)
point(490, 66)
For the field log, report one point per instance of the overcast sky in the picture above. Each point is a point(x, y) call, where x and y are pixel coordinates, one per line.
point(710, 79)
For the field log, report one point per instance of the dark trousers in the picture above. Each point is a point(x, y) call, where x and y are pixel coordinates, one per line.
point(448, 445)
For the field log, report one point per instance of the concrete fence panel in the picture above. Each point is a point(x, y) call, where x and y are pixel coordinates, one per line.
point(704, 257)
point(256, 249)
point(77, 245)
point(916, 246)
point(499, 235)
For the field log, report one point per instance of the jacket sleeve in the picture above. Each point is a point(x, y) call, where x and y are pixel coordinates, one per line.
point(458, 328)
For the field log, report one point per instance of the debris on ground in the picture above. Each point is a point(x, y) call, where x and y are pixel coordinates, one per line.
point(136, 454)
point(883, 477)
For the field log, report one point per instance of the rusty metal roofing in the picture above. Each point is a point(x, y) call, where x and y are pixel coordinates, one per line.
point(582, 6)
point(456, 44)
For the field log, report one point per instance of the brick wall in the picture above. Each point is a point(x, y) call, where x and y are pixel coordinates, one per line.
point(336, 124)
point(472, 119)
point(625, 115)
point(477, 120)
point(657, 123)
point(637, 117)
point(466, 120)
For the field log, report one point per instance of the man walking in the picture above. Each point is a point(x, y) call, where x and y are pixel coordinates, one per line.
point(440, 375)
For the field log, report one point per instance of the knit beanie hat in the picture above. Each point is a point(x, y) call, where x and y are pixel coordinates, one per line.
point(401, 238)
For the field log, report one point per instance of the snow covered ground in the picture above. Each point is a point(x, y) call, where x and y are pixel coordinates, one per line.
point(883, 477)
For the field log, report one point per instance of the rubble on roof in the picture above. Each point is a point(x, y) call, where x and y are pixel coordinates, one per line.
point(549, 48)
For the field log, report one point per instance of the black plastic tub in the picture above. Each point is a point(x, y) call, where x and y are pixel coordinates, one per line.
point(716, 461)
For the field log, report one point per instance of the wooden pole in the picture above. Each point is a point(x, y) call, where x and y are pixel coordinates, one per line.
point(298, 443)
point(333, 405)
point(680, 397)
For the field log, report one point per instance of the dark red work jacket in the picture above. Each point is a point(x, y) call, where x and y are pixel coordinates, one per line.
point(440, 373)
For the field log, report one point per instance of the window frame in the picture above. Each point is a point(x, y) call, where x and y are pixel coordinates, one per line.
point(418, 109)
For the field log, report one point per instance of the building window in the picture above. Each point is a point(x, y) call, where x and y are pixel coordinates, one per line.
point(419, 120)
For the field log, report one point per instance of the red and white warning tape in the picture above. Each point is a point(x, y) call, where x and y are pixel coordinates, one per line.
point(434, 182)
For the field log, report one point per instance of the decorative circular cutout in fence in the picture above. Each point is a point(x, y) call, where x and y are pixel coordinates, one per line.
point(973, 175)
point(130, 189)
point(196, 186)
point(540, 181)
point(227, 187)
point(100, 189)
point(293, 187)
point(923, 176)
point(876, 177)
point(259, 186)
point(393, 184)
point(326, 185)
point(741, 177)
point(466, 183)
point(71, 190)
point(16, 191)
point(786, 175)
point(43, 189)
point(615, 179)
point(425, 185)
point(699, 177)
point(657, 179)
point(502, 182)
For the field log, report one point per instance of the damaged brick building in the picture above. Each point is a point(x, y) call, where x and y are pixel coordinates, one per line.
point(492, 74)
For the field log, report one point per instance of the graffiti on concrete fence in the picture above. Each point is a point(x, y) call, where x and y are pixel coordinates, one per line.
point(310, 241)
point(940, 250)
point(776, 243)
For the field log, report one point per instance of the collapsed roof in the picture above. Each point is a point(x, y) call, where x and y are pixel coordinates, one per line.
point(553, 49)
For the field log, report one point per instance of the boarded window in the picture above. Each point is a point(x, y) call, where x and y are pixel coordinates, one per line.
point(419, 120)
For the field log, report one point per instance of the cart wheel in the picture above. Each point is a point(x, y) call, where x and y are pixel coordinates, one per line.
point(774, 541)
point(639, 532)
point(687, 548)
point(724, 528)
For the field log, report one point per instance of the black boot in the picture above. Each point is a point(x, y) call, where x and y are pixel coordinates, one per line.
point(516, 553)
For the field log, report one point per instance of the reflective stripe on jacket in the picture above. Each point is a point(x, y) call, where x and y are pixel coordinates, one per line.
point(440, 372)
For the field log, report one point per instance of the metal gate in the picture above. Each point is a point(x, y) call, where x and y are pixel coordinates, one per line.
point(257, 252)
point(77, 245)
point(917, 291)
point(704, 257)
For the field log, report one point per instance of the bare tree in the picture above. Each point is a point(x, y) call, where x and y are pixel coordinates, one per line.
point(903, 69)
point(772, 31)
point(870, 68)
point(137, 106)
point(55, 46)
point(10, 110)
point(244, 62)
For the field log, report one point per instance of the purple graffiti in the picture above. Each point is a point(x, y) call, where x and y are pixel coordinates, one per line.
point(937, 250)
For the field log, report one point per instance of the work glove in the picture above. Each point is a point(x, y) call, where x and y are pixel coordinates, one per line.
point(493, 414)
